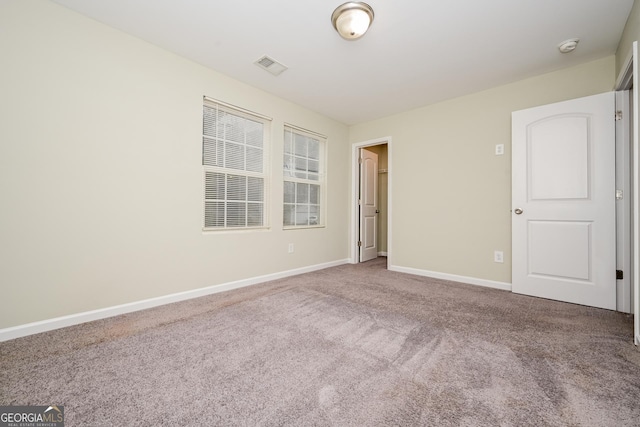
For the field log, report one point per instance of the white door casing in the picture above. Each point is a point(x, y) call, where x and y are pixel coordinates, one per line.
point(368, 205)
point(623, 201)
point(636, 195)
point(563, 201)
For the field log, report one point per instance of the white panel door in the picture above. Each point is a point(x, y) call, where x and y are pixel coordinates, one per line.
point(563, 196)
point(368, 205)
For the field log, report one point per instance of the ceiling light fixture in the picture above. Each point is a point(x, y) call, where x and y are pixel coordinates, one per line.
point(568, 45)
point(352, 19)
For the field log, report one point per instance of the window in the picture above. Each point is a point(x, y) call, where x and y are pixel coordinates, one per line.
point(234, 155)
point(304, 178)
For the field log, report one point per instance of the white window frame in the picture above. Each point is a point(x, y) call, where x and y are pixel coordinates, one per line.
point(227, 171)
point(289, 176)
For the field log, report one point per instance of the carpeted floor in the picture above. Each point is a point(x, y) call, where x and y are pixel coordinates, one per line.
point(354, 345)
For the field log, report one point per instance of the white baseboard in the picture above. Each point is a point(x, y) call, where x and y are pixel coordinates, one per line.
point(382, 254)
point(88, 316)
point(455, 278)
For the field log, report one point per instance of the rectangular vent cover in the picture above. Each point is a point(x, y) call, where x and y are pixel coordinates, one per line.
point(271, 65)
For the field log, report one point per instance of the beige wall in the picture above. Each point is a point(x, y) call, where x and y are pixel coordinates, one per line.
point(451, 194)
point(630, 34)
point(100, 176)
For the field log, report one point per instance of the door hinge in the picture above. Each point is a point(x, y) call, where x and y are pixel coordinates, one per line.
point(359, 160)
point(618, 115)
point(619, 195)
point(359, 243)
point(619, 275)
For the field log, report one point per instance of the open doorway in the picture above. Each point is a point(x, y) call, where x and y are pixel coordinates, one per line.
point(624, 200)
point(371, 197)
point(627, 189)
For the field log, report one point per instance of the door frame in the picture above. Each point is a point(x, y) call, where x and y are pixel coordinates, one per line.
point(623, 206)
point(627, 79)
point(355, 176)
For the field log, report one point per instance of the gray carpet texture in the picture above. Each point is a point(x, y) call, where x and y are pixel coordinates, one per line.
point(354, 345)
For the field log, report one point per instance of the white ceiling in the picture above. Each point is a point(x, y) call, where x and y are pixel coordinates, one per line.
point(417, 52)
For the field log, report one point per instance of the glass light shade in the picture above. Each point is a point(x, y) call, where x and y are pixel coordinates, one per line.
point(352, 19)
point(353, 23)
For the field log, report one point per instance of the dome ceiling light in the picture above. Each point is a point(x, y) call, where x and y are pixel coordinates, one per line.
point(352, 19)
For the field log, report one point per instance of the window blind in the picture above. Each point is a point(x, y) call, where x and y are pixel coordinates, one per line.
point(234, 157)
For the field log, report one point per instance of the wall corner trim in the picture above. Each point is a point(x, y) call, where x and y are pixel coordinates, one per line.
point(452, 277)
point(19, 331)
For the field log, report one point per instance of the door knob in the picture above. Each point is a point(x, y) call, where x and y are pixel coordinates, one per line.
point(377, 211)
point(518, 211)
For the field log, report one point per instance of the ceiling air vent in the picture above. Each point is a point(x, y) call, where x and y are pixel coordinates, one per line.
point(271, 65)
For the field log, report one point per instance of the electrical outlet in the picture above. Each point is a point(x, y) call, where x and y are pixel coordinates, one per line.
point(499, 149)
point(290, 248)
point(498, 256)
